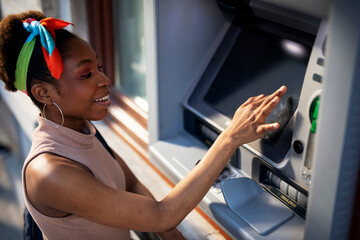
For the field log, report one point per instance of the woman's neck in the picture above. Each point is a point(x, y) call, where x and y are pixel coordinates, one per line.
point(78, 126)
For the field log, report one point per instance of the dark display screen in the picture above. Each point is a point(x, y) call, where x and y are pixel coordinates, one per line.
point(259, 63)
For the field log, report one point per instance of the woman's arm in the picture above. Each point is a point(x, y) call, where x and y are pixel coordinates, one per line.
point(135, 186)
point(69, 188)
point(132, 183)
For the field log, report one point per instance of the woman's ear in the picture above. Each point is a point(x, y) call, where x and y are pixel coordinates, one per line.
point(42, 92)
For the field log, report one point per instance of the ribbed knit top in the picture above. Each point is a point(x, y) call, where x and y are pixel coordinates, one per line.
point(89, 151)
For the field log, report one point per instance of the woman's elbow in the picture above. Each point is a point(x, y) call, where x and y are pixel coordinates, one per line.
point(167, 220)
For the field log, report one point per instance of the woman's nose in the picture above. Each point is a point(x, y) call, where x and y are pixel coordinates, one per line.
point(103, 81)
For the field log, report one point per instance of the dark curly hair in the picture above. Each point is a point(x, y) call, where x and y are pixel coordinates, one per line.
point(12, 38)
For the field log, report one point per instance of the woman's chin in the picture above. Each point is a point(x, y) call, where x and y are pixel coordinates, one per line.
point(99, 117)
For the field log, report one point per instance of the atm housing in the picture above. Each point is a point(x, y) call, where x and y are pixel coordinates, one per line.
point(256, 56)
point(257, 53)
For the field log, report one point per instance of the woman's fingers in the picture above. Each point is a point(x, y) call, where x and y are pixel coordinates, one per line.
point(279, 93)
point(263, 101)
point(253, 99)
point(265, 110)
point(248, 123)
point(267, 105)
point(264, 128)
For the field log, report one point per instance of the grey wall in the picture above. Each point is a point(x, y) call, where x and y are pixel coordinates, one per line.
point(177, 52)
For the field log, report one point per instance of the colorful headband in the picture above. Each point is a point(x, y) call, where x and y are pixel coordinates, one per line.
point(46, 29)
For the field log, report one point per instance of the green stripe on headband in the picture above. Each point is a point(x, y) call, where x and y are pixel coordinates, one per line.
point(22, 65)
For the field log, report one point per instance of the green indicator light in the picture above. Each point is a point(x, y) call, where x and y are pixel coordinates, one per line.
point(314, 110)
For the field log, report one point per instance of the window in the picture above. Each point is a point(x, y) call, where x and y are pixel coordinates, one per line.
point(116, 32)
point(129, 48)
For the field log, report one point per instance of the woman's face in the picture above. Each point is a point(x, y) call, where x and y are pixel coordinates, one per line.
point(83, 87)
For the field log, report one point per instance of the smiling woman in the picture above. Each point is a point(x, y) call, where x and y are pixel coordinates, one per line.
point(73, 187)
point(83, 89)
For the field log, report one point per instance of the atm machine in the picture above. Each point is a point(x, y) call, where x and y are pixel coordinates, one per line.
point(208, 57)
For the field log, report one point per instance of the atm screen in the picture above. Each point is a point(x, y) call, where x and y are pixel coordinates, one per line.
point(259, 63)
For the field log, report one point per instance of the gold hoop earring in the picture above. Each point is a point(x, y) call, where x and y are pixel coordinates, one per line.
point(62, 115)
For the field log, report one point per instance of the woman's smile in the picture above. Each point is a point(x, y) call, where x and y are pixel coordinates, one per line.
point(103, 101)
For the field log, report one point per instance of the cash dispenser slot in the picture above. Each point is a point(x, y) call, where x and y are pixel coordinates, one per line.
point(253, 205)
point(281, 187)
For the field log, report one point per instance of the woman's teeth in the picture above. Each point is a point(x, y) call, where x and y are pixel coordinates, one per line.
point(102, 99)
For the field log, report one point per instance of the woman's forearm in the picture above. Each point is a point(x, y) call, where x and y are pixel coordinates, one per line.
point(193, 187)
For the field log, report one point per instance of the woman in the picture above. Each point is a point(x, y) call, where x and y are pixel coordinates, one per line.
point(72, 186)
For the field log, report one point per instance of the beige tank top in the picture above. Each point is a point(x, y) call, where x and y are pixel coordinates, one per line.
point(87, 150)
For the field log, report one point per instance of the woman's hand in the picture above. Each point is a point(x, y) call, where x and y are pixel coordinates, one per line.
point(248, 123)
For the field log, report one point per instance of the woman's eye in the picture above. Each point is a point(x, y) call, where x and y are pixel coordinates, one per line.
point(101, 68)
point(88, 75)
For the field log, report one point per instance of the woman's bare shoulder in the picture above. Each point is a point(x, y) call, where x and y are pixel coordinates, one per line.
point(49, 174)
point(46, 163)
